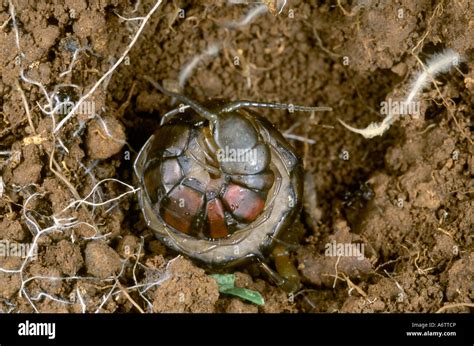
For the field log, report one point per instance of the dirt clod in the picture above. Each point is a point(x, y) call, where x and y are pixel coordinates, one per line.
point(66, 257)
point(342, 256)
point(105, 138)
point(188, 289)
point(101, 260)
point(239, 307)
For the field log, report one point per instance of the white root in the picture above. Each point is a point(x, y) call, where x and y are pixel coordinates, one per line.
point(66, 219)
point(111, 70)
point(438, 63)
point(248, 18)
point(187, 69)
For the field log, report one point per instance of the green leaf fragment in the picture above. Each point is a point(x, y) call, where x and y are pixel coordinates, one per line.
point(226, 283)
point(244, 293)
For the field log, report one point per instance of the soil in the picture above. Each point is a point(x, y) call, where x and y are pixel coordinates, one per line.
point(407, 196)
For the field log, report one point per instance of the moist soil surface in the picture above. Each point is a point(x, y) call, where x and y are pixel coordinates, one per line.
point(406, 196)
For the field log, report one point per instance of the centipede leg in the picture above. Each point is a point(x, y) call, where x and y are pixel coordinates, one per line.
point(286, 277)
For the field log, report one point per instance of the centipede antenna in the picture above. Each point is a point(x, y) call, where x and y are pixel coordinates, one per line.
point(274, 276)
point(184, 99)
point(168, 116)
point(252, 104)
